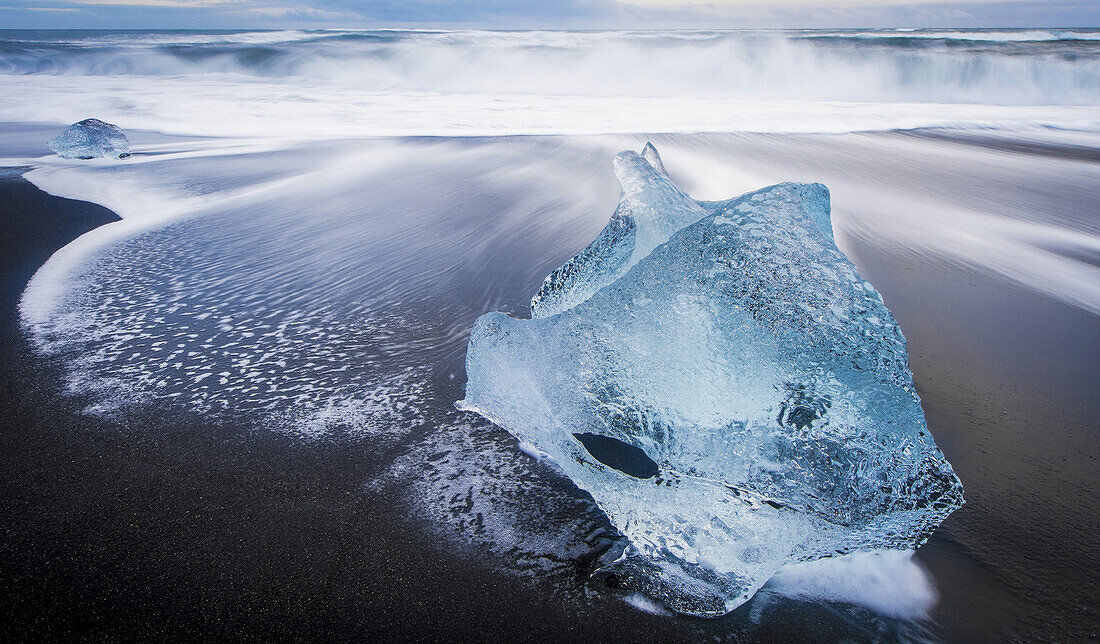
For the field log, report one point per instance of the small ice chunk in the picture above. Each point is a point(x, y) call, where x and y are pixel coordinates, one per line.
point(730, 391)
point(90, 139)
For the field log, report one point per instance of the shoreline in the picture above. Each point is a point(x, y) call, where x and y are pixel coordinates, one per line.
point(175, 526)
point(175, 522)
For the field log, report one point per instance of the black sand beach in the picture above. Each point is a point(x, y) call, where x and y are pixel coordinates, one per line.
point(176, 528)
point(173, 526)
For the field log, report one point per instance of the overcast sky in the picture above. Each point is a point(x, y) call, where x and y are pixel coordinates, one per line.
point(567, 14)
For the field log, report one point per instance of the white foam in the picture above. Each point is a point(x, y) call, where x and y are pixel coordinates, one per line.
point(220, 105)
point(345, 83)
point(646, 604)
point(140, 201)
point(891, 583)
point(985, 35)
point(140, 207)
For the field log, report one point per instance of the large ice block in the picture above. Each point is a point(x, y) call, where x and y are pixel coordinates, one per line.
point(725, 385)
point(89, 139)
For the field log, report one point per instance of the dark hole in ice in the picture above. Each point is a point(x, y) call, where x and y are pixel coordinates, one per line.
point(619, 455)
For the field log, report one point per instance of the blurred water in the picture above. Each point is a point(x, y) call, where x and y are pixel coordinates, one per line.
point(1013, 67)
point(339, 83)
point(313, 286)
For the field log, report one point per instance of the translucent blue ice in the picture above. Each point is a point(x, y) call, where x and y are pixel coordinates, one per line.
point(90, 139)
point(725, 385)
point(650, 210)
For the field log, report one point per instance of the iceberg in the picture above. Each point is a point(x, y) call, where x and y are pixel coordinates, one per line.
point(730, 391)
point(90, 139)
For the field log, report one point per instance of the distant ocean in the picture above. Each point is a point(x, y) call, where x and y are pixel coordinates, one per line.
point(311, 221)
point(394, 82)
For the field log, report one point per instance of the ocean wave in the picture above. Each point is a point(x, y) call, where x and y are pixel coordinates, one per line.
point(1000, 67)
point(980, 35)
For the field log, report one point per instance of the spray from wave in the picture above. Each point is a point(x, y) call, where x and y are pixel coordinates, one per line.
point(311, 84)
point(993, 67)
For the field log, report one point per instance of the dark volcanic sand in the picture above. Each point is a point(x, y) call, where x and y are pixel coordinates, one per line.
point(1008, 382)
point(185, 529)
point(173, 527)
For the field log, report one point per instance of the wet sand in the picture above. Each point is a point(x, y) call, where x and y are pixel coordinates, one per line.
point(177, 528)
point(169, 525)
point(1007, 380)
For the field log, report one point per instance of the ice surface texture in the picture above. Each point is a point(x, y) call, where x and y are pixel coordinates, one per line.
point(650, 210)
point(89, 139)
point(725, 385)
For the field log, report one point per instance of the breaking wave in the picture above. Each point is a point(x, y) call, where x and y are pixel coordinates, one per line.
point(1001, 67)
